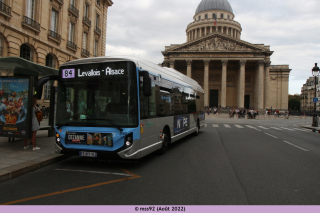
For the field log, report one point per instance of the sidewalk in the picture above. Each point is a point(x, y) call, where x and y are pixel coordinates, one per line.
point(15, 161)
point(259, 117)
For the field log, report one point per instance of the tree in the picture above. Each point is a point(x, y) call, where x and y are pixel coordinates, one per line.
point(294, 104)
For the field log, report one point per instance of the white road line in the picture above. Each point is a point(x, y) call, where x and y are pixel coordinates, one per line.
point(262, 127)
point(240, 127)
point(303, 130)
point(205, 125)
point(251, 127)
point(227, 125)
point(296, 146)
point(276, 128)
point(287, 129)
point(215, 125)
point(94, 172)
point(270, 135)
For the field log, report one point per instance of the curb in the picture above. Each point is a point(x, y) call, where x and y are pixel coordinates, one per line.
point(29, 166)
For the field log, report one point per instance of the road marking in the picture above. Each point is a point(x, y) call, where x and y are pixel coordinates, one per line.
point(287, 129)
point(251, 127)
point(270, 135)
point(205, 125)
point(303, 130)
point(94, 172)
point(240, 127)
point(296, 146)
point(276, 128)
point(215, 125)
point(134, 176)
point(227, 126)
point(262, 127)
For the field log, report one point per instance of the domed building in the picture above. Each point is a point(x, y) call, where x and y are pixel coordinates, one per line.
point(232, 72)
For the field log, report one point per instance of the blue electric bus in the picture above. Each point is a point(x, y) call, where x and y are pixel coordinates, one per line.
point(124, 107)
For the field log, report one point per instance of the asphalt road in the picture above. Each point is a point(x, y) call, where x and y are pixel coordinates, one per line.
point(231, 162)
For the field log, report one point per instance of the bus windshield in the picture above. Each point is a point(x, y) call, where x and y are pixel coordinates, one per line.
point(98, 95)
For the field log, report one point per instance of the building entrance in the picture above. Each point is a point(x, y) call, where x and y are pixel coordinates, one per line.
point(247, 102)
point(214, 98)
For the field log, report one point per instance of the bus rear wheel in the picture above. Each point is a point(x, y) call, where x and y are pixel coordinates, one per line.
point(196, 133)
point(165, 143)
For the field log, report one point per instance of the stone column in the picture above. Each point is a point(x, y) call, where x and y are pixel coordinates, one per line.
point(266, 84)
point(206, 82)
point(223, 100)
point(242, 83)
point(261, 86)
point(195, 33)
point(172, 62)
point(200, 35)
point(189, 68)
point(222, 28)
point(205, 31)
point(211, 30)
point(227, 29)
point(231, 32)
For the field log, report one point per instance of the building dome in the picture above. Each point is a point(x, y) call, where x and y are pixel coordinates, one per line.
point(214, 5)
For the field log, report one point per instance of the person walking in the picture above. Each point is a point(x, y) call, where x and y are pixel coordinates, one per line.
point(34, 126)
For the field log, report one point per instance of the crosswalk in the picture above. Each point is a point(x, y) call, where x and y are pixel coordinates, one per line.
point(258, 128)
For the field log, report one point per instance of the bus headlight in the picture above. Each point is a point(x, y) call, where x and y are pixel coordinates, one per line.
point(128, 140)
point(58, 141)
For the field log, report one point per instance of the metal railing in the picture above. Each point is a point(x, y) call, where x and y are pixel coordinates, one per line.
point(31, 23)
point(85, 52)
point(54, 35)
point(97, 29)
point(74, 10)
point(87, 20)
point(72, 45)
point(5, 8)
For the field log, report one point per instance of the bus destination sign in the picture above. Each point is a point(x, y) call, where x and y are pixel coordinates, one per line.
point(72, 73)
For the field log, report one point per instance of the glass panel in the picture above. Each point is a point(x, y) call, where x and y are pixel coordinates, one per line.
point(71, 32)
point(97, 20)
point(99, 92)
point(54, 20)
point(72, 2)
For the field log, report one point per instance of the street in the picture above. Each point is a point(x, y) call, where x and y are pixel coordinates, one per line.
point(231, 162)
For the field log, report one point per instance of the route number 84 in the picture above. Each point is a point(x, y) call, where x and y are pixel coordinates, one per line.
point(68, 73)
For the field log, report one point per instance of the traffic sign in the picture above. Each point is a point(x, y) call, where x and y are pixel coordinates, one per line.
point(315, 100)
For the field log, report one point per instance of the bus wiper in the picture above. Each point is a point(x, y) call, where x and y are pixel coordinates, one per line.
point(110, 121)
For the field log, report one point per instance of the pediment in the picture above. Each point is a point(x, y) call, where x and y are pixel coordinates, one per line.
point(217, 43)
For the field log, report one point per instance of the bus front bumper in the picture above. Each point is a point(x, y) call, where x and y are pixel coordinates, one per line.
point(132, 152)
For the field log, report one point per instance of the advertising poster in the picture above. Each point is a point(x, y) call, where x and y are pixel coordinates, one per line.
point(181, 124)
point(14, 107)
point(98, 139)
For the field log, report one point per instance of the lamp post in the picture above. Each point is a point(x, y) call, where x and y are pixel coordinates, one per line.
point(315, 73)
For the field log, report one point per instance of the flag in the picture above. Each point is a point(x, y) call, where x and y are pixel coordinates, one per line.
point(215, 22)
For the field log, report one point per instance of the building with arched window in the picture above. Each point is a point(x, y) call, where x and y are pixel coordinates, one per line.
point(232, 72)
point(54, 37)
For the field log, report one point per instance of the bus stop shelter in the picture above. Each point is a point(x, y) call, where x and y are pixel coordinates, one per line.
point(16, 66)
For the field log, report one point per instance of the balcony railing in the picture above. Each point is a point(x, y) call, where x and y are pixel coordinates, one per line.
point(87, 21)
point(5, 9)
point(97, 30)
point(72, 45)
point(85, 52)
point(31, 23)
point(54, 35)
point(99, 3)
point(74, 10)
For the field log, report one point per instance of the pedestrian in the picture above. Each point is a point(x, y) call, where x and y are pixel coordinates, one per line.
point(34, 126)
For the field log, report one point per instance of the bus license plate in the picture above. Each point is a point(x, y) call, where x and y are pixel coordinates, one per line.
point(88, 154)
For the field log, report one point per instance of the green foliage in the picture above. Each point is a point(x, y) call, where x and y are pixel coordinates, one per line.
point(294, 104)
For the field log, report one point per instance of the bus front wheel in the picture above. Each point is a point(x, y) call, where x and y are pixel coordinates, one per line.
point(165, 143)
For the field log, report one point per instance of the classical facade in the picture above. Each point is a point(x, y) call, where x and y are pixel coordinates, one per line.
point(307, 95)
point(232, 72)
point(52, 32)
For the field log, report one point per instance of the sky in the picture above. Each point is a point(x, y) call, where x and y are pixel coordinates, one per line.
point(291, 27)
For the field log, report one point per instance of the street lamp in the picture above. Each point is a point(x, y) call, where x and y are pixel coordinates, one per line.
point(315, 73)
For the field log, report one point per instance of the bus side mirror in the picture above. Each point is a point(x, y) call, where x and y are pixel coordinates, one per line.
point(146, 84)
